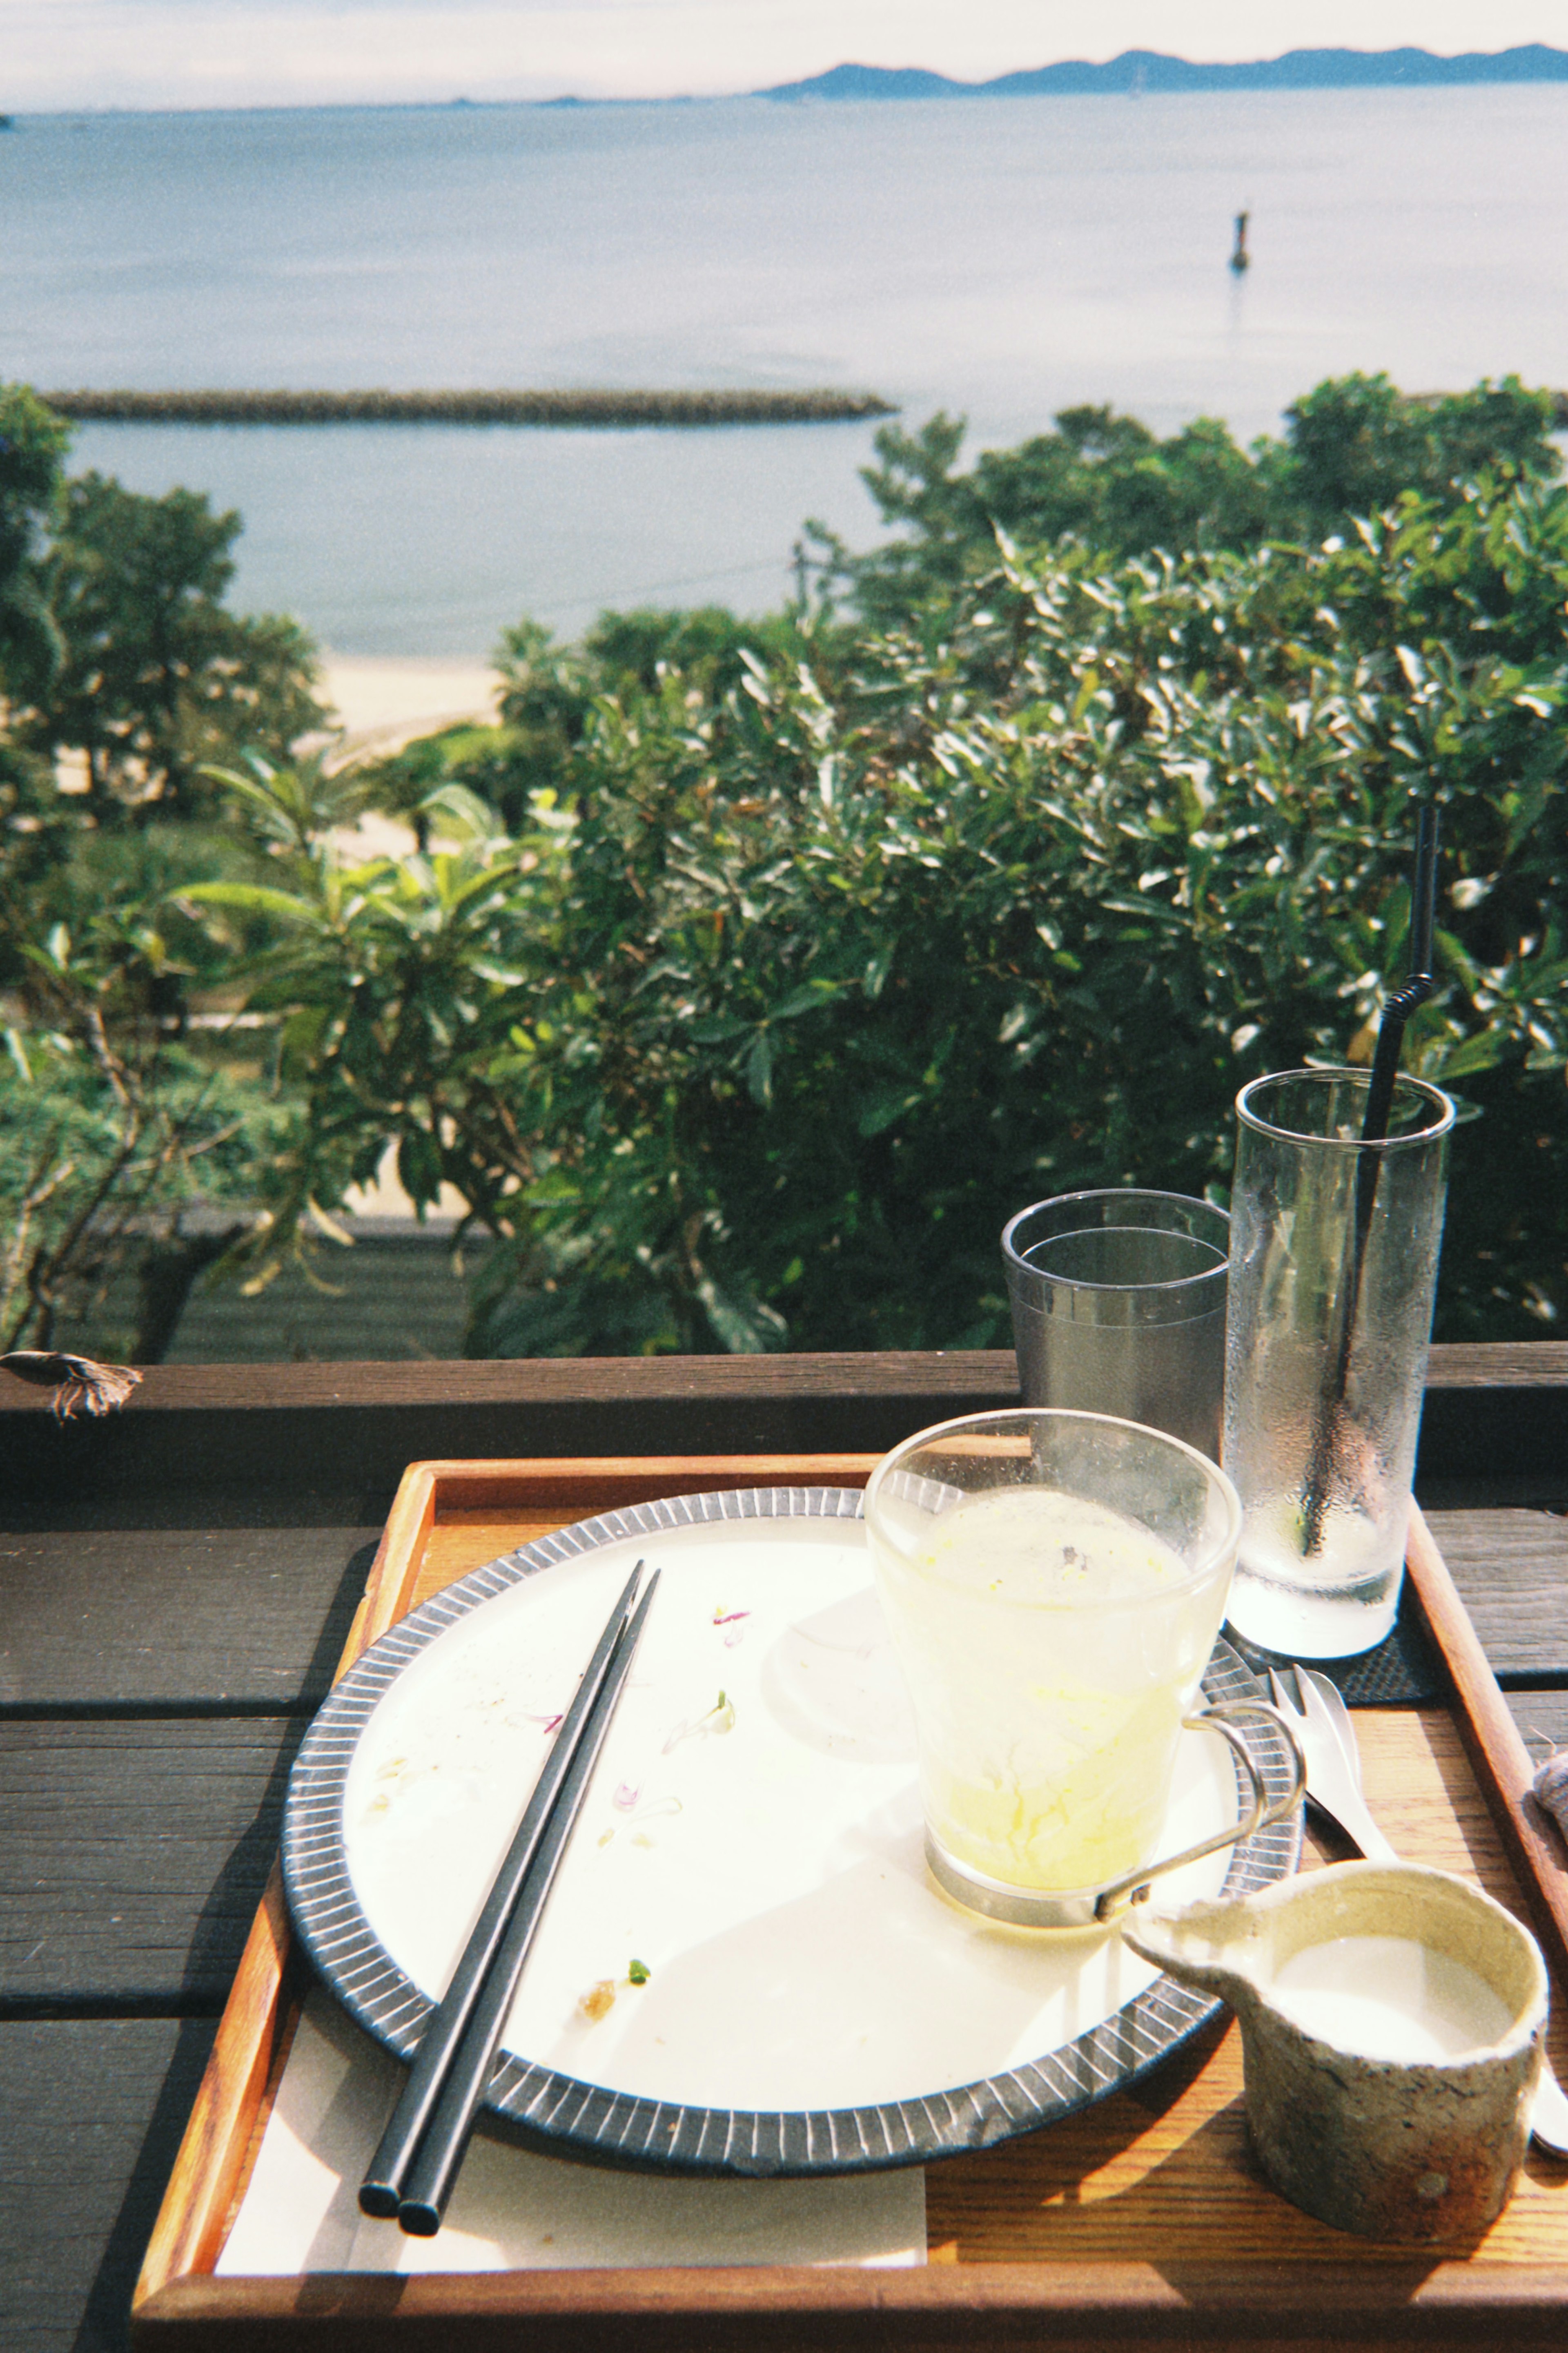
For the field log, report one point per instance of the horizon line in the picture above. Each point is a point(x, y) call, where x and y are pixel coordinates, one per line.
point(993, 85)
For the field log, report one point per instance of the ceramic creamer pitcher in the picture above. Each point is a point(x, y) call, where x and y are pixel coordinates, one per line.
point(1391, 2024)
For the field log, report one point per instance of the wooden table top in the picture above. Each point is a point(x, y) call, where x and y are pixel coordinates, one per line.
point(175, 1588)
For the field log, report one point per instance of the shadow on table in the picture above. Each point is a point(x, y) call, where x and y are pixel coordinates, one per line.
point(328, 1649)
point(216, 1942)
point(105, 2325)
point(223, 1923)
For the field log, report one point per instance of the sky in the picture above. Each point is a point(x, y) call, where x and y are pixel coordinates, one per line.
point(63, 55)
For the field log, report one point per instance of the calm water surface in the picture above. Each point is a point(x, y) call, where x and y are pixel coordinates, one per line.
point(999, 259)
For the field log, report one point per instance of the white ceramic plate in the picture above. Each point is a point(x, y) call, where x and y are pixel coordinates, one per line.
point(812, 2001)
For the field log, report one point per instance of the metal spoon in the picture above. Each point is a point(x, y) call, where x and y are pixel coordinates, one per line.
point(1333, 1786)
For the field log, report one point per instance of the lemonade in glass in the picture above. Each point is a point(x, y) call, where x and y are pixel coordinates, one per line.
point(1053, 1583)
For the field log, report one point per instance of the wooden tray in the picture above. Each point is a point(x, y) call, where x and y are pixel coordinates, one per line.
point(1139, 2222)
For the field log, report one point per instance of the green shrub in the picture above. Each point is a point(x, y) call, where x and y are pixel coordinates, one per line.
point(1018, 911)
point(790, 994)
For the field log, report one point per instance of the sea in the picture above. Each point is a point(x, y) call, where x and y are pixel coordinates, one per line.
point(999, 259)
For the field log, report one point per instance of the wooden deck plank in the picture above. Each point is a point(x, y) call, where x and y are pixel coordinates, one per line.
point(93, 2109)
point(1511, 1567)
point(153, 1618)
point(134, 1856)
point(1542, 1717)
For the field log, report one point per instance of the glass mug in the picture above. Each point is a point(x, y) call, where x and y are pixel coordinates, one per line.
point(1053, 1583)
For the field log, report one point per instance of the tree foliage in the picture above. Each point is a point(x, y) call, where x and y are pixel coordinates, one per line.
point(32, 443)
point(111, 1129)
point(115, 641)
point(152, 676)
point(1352, 448)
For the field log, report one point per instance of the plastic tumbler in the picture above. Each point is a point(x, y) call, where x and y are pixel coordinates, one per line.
point(1118, 1303)
point(1330, 1313)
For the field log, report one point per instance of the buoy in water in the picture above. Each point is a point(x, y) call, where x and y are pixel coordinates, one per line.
point(1241, 259)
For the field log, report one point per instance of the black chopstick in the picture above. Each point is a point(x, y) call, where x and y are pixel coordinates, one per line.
point(440, 2150)
point(382, 2188)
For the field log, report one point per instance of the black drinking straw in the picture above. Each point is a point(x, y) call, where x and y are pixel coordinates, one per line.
point(1419, 984)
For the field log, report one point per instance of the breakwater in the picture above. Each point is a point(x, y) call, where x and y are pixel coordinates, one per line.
point(599, 408)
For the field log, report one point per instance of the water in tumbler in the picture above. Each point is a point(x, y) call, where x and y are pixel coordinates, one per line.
point(1336, 1601)
point(1168, 1376)
point(1119, 1300)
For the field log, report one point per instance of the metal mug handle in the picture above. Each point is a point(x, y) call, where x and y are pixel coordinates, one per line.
point(1134, 1888)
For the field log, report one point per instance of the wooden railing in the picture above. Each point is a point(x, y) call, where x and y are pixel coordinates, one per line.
point(1495, 1420)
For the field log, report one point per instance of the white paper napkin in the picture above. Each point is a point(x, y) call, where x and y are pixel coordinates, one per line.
point(513, 2211)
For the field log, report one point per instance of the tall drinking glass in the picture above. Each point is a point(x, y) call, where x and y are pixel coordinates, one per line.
point(1118, 1303)
point(1333, 1269)
point(1053, 1584)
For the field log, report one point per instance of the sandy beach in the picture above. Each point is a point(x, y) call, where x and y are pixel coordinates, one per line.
point(385, 701)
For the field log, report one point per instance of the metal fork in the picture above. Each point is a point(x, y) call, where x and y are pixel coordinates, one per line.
point(1328, 1741)
point(1334, 1762)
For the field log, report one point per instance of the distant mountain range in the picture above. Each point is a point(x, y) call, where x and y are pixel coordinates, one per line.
point(1147, 69)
